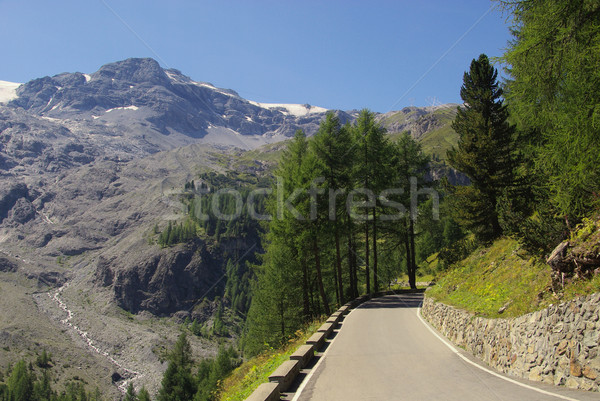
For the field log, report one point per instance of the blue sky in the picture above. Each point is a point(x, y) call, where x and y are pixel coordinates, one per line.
point(382, 55)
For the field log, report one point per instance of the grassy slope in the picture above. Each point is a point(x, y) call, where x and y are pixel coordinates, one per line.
point(27, 331)
point(504, 275)
point(440, 140)
point(246, 378)
point(270, 153)
point(493, 277)
point(437, 141)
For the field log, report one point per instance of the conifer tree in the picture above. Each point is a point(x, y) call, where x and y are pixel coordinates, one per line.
point(130, 395)
point(409, 167)
point(372, 174)
point(20, 383)
point(554, 97)
point(485, 151)
point(333, 147)
point(178, 383)
point(143, 395)
point(280, 296)
point(42, 390)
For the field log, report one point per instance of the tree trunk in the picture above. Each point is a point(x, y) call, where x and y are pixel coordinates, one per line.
point(408, 257)
point(338, 262)
point(412, 280)
point(282, 317)
point(336, 285)
point(367, 270)
point(351, 265)
point(314, 304)
point(375, 277)
point(320, 276)
point(305, 296)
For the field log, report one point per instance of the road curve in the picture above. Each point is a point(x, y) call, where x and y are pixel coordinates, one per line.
point(384, 351)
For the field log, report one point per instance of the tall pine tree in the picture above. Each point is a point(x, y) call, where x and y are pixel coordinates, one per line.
point(485, 151)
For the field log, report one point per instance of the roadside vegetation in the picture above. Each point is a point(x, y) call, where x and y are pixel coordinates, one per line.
point(530, 149)
point(249, 375)
point(500, 280)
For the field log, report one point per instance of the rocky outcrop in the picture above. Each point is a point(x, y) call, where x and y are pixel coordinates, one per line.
point(558, 345)
point(11, 197)
point(164, 281)
point(579, 257)
point(22, 211)
point(7, 266)
point(418, 121)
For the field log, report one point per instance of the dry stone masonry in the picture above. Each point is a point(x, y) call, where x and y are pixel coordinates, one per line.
point(558, 345)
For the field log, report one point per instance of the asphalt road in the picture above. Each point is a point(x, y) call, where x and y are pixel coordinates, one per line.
point(384, 351)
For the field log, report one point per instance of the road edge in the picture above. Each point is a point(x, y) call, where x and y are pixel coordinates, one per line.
point(483, 368)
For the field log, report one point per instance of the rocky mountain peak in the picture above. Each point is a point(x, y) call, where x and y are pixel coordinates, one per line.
point(145, 71)
point(161, 109)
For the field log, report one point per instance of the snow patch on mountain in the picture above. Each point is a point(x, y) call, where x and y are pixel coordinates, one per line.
point(214, 88)
point(132, 107)
point(8, 91)
point(296, 110)
point(178, 78)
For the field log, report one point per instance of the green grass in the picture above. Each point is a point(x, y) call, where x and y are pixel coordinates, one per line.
point(396, 118)
point(439, 141)
point(582, 287)
point(270, 153)
point(491, 278)
point(503, 274)
point(246, 378)
point(403, 279)
point(435, 142)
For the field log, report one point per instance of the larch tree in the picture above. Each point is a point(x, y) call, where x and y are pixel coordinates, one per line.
point(333, 145)
point(372, 174)
point(554, 96)
point(409, 167)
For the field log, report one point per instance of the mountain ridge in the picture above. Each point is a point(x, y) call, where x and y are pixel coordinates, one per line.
point(140, 97)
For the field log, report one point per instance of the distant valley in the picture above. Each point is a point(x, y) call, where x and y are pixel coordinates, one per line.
point(92, 168)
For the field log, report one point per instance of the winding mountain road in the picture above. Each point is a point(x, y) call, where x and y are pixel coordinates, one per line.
point(385, 351)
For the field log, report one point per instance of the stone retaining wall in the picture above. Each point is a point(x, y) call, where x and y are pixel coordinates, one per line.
point(558, 345)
